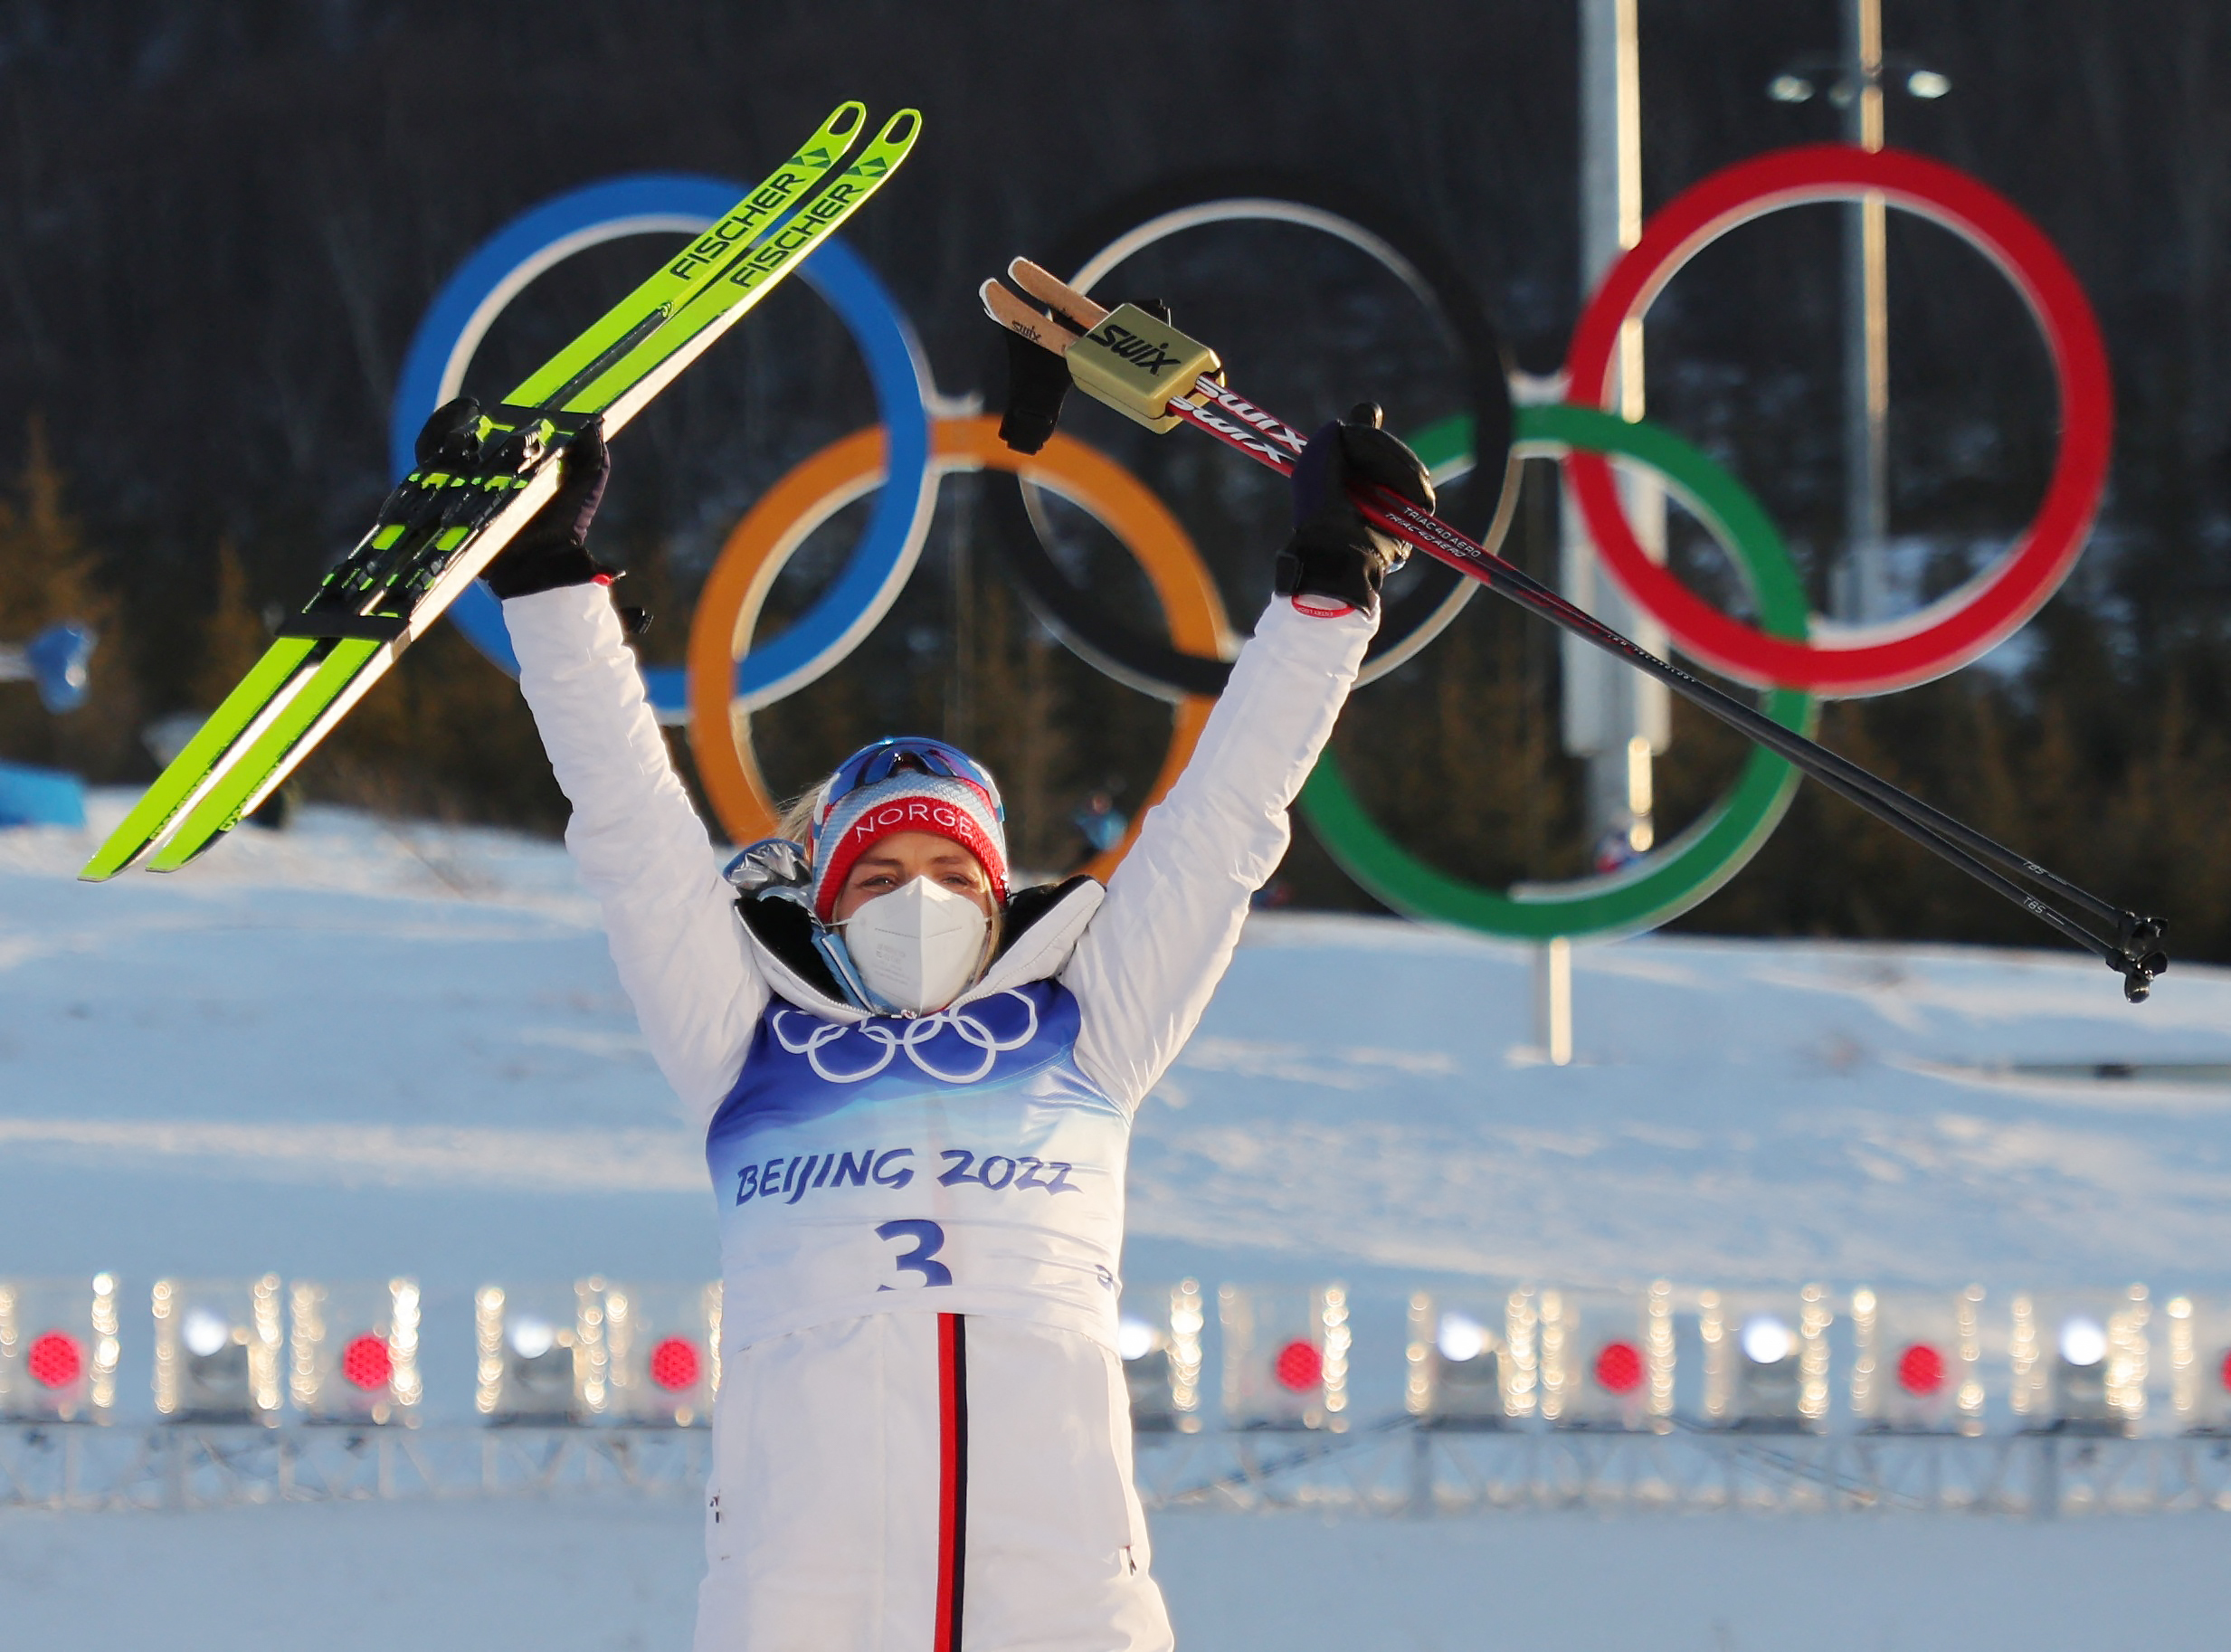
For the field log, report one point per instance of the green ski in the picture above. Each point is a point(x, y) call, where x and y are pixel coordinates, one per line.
point(441, 528)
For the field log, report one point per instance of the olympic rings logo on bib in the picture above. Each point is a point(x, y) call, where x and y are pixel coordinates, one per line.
point(913, 1039)
point(730, 673)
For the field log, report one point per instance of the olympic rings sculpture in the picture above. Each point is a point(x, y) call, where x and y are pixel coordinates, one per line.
point(1964, 623)
point(728, 675)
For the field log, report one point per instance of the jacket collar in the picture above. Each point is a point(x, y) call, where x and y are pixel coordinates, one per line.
point(1040, 929)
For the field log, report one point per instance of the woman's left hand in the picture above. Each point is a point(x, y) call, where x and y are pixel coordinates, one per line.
point(1334, 552)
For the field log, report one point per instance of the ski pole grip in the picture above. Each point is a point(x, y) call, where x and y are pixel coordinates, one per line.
point(1138, 364)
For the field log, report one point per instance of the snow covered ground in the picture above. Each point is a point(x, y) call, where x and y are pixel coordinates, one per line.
point(620, 1577)
point(356, 1049)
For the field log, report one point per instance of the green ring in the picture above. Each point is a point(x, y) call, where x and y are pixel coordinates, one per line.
point(1665, 883)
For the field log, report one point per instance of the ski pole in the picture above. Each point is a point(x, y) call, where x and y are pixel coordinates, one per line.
point(1132, 347)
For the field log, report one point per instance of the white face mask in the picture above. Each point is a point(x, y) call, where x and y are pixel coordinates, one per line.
point(917, 947)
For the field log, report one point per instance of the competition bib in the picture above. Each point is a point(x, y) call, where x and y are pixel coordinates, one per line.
point(958, 1162)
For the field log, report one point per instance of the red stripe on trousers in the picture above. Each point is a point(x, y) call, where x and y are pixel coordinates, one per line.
point(952, 1477)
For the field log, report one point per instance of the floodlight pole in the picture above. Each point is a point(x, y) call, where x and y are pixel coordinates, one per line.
point(1615, 718)
point(1859, 593)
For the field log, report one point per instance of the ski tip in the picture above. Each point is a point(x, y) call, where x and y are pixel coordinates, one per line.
point(182, 850)
point(901, 128)
point(845, 119)
point(118, 854)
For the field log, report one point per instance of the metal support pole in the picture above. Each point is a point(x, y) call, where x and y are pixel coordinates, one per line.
point(1607, 707)
point(1859, 594)
point(1552, 1000)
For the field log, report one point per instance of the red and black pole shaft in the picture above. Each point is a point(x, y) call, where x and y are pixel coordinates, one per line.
point(1209, 404)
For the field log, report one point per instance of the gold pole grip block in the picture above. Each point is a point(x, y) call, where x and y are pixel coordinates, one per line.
point(1138, 364)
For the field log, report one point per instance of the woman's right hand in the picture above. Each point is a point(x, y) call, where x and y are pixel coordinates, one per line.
point(552, 549)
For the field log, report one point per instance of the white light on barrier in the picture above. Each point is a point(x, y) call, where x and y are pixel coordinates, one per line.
point(532, 1337)
point(1134, 1338)
point(1928, 83)
point(2083, 1341)
point(1767, 1341)
point(205, 1333)
point(1461, 1338)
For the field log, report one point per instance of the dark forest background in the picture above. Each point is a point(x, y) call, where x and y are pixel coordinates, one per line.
point(220, 221)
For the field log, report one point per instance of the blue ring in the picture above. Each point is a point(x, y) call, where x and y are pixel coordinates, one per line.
point(542, 236)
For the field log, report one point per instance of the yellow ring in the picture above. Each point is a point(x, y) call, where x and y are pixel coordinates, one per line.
point(816, 489)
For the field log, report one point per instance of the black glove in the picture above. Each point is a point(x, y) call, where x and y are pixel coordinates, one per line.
point(1335, 553)
point(450, 439)
point(552, 549)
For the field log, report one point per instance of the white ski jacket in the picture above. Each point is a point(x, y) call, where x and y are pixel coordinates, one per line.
point(861, 1161)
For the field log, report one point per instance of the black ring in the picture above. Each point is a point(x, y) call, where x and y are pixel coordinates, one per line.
point(1096, 634)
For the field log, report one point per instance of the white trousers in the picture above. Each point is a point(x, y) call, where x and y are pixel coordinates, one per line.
point(913, 1482)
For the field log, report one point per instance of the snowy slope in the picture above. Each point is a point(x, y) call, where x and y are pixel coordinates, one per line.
point(360, 1048)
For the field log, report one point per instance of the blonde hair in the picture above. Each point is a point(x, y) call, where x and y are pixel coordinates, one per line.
point(797, 818)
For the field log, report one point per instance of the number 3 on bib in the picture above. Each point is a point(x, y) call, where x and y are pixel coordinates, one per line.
point(928, 1240)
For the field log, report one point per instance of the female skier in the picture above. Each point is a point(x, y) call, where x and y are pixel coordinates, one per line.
point(917, 1087)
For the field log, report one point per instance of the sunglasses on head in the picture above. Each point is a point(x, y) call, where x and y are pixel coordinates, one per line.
point(873, 765)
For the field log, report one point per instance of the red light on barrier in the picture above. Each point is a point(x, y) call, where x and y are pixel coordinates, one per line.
point(366, 1364)
point(54, 1360)
point(2227, 1371)
point(1299, 1366)
point(1921, 1368)
point(674, 1365)
point(1619, 1367)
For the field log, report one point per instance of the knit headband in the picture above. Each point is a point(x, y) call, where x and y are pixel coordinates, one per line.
point(908, 802)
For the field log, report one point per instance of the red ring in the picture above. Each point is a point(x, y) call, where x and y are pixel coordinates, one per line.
point(1991, 608)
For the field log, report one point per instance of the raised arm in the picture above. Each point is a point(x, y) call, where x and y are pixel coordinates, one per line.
point(638, 843)
point(1144, 970)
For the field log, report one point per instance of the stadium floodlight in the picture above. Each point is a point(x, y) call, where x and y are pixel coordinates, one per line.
point(1766, 1358)
point(661, 1349)
point(1917, 1361)
point(59, 1349)
point(1789, 88)
point(1286, 1357)
point(218, 1350)
point(1928, 84)
point(1472, 1357)
point(2079, 1362)
point(352, 1352)
point(1158, 1335)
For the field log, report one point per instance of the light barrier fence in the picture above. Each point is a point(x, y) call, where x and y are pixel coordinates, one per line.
point(1396, 1469)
